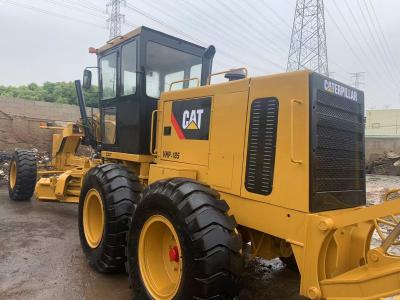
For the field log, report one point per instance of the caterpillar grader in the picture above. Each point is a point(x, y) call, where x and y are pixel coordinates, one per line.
point(188, 178)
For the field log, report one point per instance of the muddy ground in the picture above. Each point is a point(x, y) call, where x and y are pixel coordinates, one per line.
point(41, 258)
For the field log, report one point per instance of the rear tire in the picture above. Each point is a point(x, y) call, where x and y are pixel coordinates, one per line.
point(22, 175)
point(117, 190)
point(210, 261)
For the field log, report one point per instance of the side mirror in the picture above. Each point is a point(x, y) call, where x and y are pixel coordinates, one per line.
point(87, 79)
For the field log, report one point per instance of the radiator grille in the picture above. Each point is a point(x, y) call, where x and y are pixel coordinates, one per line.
point(338, 174)
point(261, 146)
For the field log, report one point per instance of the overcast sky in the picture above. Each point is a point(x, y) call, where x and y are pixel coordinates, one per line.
point(48, 40)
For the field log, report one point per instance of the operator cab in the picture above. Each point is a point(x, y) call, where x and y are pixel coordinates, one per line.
point(134, 70)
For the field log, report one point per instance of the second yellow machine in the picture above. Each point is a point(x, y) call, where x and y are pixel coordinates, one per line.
point(186, 176)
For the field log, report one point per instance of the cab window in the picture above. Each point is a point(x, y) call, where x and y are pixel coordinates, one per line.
point(109, 125)
point(108, 72)
point(195, 72)
point(165, 65)
point(173, 77)
point(128, 68)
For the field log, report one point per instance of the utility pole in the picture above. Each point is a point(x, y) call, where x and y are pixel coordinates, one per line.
point(358, 78)
point(308, 48)
point(115, 19)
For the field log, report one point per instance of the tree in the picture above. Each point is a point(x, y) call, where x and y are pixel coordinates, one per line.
point(59, 92)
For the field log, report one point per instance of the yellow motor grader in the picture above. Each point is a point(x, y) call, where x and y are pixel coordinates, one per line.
point(186, 175)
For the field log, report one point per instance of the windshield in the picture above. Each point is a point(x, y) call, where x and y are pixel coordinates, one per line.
point(165, 65)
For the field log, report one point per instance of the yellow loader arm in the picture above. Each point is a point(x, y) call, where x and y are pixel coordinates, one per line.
point(63, 181)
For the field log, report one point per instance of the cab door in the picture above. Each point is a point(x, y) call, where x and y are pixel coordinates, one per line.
point(108, 77)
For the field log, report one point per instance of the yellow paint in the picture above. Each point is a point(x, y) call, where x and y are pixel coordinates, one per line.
point(161, 275)
point(63, 182)
point(13, 174)
point(44, 190)
point(329, 247)
point(227, 141)
point(332, 249)
point(140, 158)
point(93, 218)
point(159, 172)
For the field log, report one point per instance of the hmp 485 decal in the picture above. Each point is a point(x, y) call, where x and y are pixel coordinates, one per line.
point(191, 118)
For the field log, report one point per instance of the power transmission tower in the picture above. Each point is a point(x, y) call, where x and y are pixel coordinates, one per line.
point(115, 19)
point(358, 78)
point(308, 48)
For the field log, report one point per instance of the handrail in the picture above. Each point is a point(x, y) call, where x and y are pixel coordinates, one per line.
point(184, 80)
point(151, 131)
point(246, 72)
point(292, 154)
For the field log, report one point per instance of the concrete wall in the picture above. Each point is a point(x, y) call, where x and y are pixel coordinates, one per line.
point(377, 145)
point(20, 119)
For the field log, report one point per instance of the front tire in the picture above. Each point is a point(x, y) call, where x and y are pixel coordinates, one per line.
point(182, 244)
point(107, 202)
point(22, 175)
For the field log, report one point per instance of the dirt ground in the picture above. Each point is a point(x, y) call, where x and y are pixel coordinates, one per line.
point(41, 257)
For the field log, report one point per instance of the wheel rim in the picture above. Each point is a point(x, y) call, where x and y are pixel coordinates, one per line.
point(13, 174)
point(160, 259)
point(93, 218)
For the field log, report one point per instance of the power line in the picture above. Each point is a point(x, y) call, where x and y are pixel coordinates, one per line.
point(333, 19)
point(262, 38)
point(72, 6)
point(218, 27)
point(362, 33)
point(238, 40)
point(355, 38)
point(277, 32)
point(276, 14)
point(377, 46)
point(161, 22)
point(381, 39)
point(382, 33)
point(344, 36)
point(231, 44)
point(50, 13)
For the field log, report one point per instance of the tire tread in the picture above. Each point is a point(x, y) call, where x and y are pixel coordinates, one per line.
point(26, 175)
point(218, 260)
point(120, 190)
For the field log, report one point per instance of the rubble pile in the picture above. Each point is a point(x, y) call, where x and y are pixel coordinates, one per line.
point(43, 158)
point(377, 188)
point(5, 158)
point(386, 164)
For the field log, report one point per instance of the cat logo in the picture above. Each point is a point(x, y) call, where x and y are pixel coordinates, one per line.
point(191, 120)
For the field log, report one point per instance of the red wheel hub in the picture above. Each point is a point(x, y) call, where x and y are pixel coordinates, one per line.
point(174, 254)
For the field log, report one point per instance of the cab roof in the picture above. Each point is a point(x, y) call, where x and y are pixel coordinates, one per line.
point(140, 30)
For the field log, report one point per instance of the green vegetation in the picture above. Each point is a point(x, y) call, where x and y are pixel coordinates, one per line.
point(59, 92)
